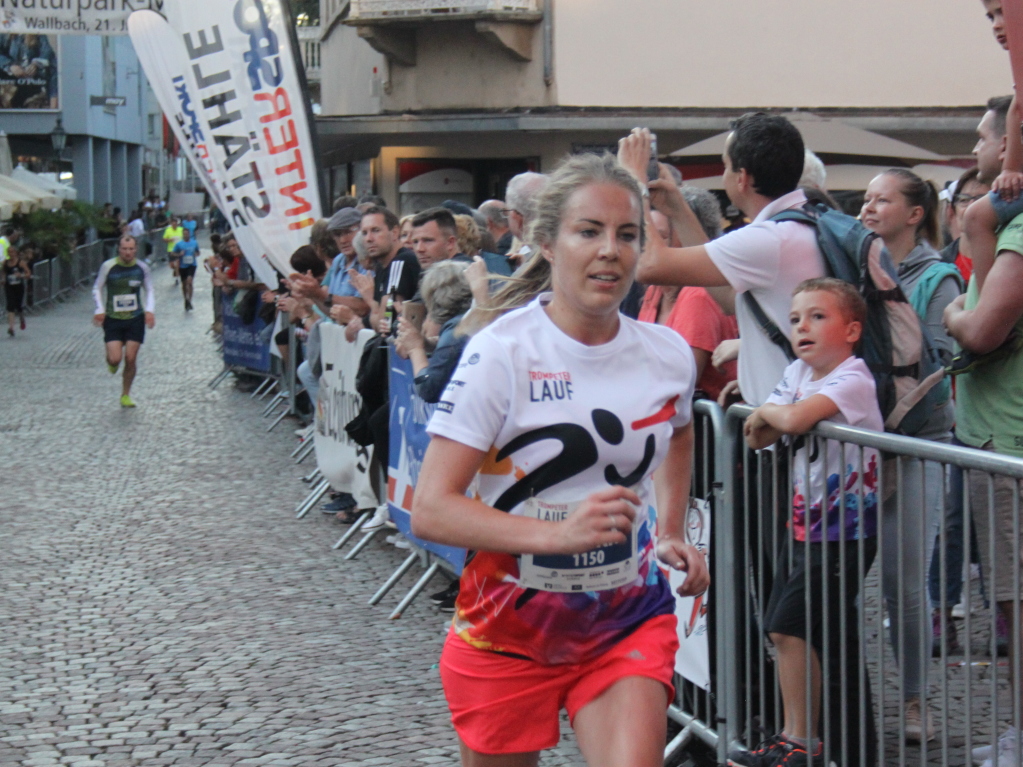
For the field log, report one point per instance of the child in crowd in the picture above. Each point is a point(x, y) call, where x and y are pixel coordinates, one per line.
point(989, 214)
point(826, 382)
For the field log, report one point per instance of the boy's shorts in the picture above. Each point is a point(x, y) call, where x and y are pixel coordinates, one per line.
point(508, 705)
point(786, 609)
point(1005, 211)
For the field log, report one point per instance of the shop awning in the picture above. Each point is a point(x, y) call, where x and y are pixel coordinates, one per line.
point(826, 136)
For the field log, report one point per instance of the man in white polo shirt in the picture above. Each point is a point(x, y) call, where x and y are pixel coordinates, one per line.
point(763, 160)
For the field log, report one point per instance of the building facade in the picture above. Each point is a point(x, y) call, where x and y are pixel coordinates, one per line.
point(474, 91)
point(114, 151)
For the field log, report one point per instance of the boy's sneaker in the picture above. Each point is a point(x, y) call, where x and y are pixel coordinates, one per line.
point(1001, 636)
point(1002, 753)
point(951, 636)
point(442, 596)
point(777, 751)
point(448, 605)
point(915, 715)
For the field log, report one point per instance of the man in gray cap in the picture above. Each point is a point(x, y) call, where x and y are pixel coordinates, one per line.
point(336, 289)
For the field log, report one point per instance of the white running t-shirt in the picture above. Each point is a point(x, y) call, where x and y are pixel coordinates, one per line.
point(561, 420)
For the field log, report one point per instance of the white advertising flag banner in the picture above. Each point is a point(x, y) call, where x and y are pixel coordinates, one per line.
point(233, 60)
point(162, 56)
point(342, 462)
point(692, 660)
point(72, 17)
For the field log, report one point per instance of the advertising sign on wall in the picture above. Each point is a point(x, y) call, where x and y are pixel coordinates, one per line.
point(28, 72)
point(72, 17)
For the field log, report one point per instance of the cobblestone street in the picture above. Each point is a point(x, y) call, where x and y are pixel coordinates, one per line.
point(160, 603)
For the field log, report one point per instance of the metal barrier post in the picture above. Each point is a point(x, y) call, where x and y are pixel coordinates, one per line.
point(356, 526)
point(292, 367)
point(312, 499)
point(415, 590)
point(403, 568)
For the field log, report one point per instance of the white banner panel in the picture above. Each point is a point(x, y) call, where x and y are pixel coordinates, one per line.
point(162, 57)
point(692, 660)
point(342, 462)
point(72, 17)
point(233, 61)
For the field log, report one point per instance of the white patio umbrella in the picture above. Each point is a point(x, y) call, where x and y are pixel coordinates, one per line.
point(826, 136)
point(43, 198)
point(18, 200)
point(6, 164)
point(63, 191)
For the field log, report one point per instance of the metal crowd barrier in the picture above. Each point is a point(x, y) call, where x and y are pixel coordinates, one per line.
point(54, 279)
point(867, 677)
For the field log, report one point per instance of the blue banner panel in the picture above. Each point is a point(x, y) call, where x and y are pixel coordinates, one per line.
point(245, 346)
point(408, 442)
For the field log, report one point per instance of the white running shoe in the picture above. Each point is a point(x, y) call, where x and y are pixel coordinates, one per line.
point(376, 522)
point(1006, 755)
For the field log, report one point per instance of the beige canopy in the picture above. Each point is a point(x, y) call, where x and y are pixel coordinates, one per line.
point(24, 192)
point(63, 191)
point(826, 136)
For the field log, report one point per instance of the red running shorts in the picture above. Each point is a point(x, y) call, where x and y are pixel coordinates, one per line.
point(509, 705)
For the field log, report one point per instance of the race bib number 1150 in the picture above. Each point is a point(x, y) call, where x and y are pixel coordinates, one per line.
point(607, 567)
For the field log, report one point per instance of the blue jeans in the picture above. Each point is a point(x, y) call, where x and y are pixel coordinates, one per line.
point(953, 544)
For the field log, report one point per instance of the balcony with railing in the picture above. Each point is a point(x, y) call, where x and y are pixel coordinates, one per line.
point(390, 25)
point(384, 11)
point(309, 45)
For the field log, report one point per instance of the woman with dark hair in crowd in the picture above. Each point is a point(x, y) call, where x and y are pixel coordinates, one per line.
point(563, 366)
point(16, 273)
point(902, 208)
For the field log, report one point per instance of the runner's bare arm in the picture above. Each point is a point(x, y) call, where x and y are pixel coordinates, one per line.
point(442, 512)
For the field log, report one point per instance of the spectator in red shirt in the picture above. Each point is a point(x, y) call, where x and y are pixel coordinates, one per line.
point(693, 312)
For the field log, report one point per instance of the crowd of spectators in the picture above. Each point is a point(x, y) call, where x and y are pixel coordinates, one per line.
point(424, 283)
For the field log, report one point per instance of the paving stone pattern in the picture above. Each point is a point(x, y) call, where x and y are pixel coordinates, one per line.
point(160, 605)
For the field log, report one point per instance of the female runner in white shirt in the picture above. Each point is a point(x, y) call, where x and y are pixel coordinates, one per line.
point(571, 418)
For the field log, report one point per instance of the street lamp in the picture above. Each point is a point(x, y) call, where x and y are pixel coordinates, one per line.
point(58, 137)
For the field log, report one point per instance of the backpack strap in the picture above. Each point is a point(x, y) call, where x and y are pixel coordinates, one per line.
point(772, 331)
point(924, 289)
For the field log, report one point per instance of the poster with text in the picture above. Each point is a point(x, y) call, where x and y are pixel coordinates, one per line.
point(28, 72)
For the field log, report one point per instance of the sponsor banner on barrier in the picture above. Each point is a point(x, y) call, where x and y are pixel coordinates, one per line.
point(234, 62)
point(343, 463)
point(408, 442)
point(245, 345)
point(692, 661)
point(160, 54)
point(72, 17)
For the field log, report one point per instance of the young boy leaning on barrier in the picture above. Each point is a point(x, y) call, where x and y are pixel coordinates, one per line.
point(827, 382)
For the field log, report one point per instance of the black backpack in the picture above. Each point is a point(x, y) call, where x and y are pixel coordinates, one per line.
point(896, 345)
